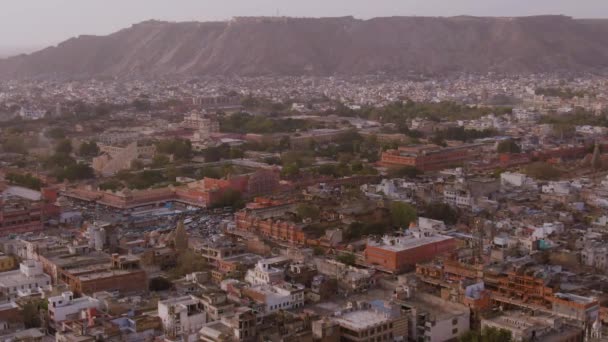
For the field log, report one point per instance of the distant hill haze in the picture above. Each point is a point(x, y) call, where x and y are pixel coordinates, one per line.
point(326, 46)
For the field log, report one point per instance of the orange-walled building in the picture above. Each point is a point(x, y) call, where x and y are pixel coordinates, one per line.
point(270, 228)
point(399, 254)
point(428, 157)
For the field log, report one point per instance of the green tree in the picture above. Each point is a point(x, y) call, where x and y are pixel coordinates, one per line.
point(56, 133)
point(181, 149)
point(88, 149)
point(76, 172)
point(111, 184)
point(441, 211)
point(488, 334)
point(31, 313)
point(230, 198)
point(188, 262)
point(543, 171)
point(14, 144)
point(160, 160)
point(26, 180)
point(160, 284)
point(64, 146)
point(305, 211)
point(402, 214)
point(347, 258)
point(508, 146)
point(290, 170)
point(403, 172)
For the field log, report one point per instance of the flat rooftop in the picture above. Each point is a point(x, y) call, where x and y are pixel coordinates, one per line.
point(361, 319)
point(435, 306)
point(403, 243)
point(16, 278)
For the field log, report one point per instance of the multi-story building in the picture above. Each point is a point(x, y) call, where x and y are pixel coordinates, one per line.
point(375, 321)
point(271, 228)
point(196, 121)
point(400, 253)
point(540, 327)
point(123, 274)
point(27, 280)
point(31, 113)
point(182, 316)
point(238, 326)
point(66, 307)
point(264, 273)
point(429, 157)
point(215, 250)
point(431, 318)
point(19, 215)
point(273, 298)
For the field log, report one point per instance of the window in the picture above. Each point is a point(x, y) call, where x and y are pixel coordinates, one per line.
point(454, 331)
point(454, 321)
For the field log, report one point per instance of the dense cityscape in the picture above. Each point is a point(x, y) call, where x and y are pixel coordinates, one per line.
point(415, 207)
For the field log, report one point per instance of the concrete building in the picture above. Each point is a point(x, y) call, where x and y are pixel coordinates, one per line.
point(273, 298)
point(434, 319)
point(264, 273)
point(375, 321)
point(31, 113)
point(122, 274)
point(28, 279)
point(239, 326)
point(524, 327)
point(182, 316)
point(66, 307)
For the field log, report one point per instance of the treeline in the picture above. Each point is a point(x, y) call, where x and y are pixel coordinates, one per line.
point(462, 134)
point(579, 117)
point(26, 180)
point(399, 111)
point(563, 93)
point(246, 123)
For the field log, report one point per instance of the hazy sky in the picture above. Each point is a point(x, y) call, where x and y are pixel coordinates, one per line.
point(25, 23)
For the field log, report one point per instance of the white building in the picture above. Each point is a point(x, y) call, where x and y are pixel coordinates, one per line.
point(285, 296)
point(65, 307)
point(434, 319)
point(31, 114)
point(456, 197)
point(264, 273)
point(182, 316)
point(427, 223)
point(558, 188)
point(27, 280)
point(514, 179)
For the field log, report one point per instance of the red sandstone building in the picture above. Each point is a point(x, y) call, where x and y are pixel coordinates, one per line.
point(399, 254)
point(205, 192)
point(271, 228)
point(429, 157)
point(22, 213)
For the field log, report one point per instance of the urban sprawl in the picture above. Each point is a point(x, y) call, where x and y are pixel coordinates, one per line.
point(371, 208)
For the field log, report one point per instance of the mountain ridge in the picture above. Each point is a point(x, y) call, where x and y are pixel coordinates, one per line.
point(252, 46)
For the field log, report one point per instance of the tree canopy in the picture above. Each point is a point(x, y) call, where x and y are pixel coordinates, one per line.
point(402, 214)
point(508, 146)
